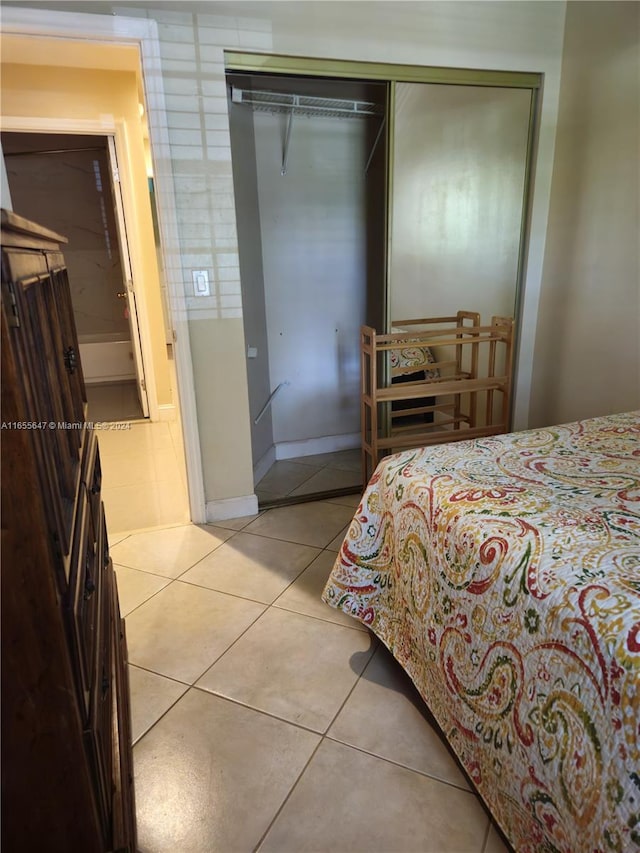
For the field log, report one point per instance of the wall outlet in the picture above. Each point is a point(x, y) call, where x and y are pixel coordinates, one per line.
point(252, 352)
point(200, 282)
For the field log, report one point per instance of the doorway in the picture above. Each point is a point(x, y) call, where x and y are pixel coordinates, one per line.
point(309, 166)
point(68, 182)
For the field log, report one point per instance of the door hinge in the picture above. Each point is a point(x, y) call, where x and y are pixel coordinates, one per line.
point(143, 385)
point(10, 305)
point(116, 175)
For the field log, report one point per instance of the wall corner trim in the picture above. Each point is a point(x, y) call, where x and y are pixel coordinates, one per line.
point(231, 508)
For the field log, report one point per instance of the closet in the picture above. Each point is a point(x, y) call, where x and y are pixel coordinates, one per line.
point(309, 175)
point(414, 206)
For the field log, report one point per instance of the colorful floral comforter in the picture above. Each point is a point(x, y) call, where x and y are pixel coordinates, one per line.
point(504, 576)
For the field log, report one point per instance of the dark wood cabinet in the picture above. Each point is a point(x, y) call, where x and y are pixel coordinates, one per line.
point(67, 780)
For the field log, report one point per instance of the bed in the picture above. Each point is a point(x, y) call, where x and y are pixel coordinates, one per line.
point(503, 574)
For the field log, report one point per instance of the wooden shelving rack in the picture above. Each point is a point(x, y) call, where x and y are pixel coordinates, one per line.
point(471, 363)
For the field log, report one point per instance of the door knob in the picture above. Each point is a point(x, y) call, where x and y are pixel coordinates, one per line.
point(122, 294)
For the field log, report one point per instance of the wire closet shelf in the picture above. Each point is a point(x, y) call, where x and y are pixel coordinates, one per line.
point(304, 105)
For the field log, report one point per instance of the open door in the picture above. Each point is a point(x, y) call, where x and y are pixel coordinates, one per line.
point(128, 293)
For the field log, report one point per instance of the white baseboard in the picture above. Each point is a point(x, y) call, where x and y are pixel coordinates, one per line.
point(262, 466)
point(231, 508)
point(312, 446)
point(167, 412)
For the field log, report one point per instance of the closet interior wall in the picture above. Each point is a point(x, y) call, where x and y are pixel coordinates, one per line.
point(311, 244)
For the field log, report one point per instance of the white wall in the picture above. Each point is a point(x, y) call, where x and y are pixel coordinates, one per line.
point(588, 343)
point(525, 36)
point(313, 246)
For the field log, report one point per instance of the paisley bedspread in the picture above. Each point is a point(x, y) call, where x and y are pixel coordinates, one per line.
point(504, 576)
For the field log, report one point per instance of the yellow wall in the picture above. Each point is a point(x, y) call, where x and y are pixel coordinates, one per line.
point(48, 92)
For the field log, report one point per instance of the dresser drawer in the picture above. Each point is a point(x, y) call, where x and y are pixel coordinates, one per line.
point(91, 475)
point(124, 822)
point(85, 596)
point(100, 730)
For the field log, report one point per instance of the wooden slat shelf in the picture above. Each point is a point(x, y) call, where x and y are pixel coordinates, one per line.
point(472, 364)
point(414, 390)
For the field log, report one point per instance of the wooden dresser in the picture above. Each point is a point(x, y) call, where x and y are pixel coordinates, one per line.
point(66, 742)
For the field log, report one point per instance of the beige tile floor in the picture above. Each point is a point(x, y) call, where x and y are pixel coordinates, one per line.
point(265, 720)
point(144, 482)
point(306, 475)
point(262, 719)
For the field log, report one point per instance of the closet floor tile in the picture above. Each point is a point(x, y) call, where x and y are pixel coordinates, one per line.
point(315, 523)
point(284, 476)
point(344, 459)
point(326, 479)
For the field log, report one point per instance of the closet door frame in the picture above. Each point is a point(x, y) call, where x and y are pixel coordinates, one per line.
point(391, 73)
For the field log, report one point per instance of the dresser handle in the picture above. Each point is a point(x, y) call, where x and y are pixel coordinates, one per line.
point(89, 588)
point(70, 359)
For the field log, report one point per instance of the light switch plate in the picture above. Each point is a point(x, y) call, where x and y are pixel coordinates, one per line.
point(200, 282)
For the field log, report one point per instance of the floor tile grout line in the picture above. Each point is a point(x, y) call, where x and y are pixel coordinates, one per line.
point(249, 707)
point(138, 740)
point(400, 764)
point(266, 605)
point(319, 618)
point(159, 674)
point(288, 796)
point(193, 683)
point(125, 616)
point(301, 572)
point(306, 480)
point(322, 735)
point(295, 542)
point(265, 611)
point(222, 654)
